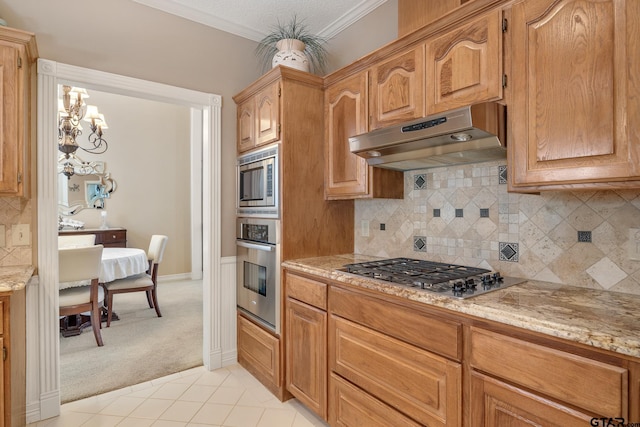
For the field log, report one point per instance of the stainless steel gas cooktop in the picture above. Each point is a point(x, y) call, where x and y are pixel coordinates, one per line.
point(452, 280)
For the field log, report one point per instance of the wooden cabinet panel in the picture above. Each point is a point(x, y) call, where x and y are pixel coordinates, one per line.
point(575, 113)
point(17, 52)
point(419, 384)
point(348, 176)
point(259, 353)
point(464, 66)
point(437, 335)
point(13, 360)
point(585, 383)
point(414, 14)
point(397, 89)
point(350, 406)
point(306, 361)
point(258, 118)
point(268, 114)
point(497, 404)
point(307, 290)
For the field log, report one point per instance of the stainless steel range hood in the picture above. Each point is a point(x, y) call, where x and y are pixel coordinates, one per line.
point(467, 135)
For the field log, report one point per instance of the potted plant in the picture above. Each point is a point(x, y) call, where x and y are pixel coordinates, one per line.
point(292, 45)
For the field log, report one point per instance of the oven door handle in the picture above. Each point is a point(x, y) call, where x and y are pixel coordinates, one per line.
point(266, 248)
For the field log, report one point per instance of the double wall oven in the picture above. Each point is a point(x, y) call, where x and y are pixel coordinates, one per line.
point(258, 237)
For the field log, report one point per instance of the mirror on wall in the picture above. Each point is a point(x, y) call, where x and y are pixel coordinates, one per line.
point(87, 188)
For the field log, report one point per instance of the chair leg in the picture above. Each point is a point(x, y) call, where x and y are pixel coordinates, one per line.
point(109, 308)
point(149, 299)
point(95, 323)
point(155, 302)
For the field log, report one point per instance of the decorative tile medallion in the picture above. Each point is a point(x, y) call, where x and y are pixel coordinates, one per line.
point(420, 181)
point(484, 213)
point(509, 252)
point(584, 236)
point(419, 243)
point(502, 174)
point(436, 213)
point(459, 213)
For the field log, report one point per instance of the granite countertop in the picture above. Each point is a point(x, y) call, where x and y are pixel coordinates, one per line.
point(606, 320)
point(15, 278)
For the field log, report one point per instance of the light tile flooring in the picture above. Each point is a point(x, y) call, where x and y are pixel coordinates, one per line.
point(228, 396)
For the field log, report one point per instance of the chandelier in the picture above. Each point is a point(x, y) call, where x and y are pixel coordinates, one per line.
point(72, 108)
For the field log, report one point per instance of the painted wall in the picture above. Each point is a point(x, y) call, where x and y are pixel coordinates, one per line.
point(464, 215)
point(148, 157)
point(126, 38)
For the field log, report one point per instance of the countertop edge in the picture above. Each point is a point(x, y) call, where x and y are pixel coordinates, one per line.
point(15, 278)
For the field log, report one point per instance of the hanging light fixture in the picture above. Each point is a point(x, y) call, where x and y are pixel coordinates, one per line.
point(72, 108)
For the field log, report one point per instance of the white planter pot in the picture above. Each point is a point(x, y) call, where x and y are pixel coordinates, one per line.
point(291, 54)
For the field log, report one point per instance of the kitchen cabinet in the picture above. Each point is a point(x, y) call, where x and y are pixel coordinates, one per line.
point(464, 66)
point(259, 118)
point(514, 379)
point(109, 238)
point(397, 88)
point(306, 341)
point(348, 176)
point(18, 51)
point(259, 353)
point(13, 360)
point(389, 361)
point(575, 112)
point(414, 14)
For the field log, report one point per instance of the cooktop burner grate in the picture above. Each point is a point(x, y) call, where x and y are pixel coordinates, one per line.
point(456, 280)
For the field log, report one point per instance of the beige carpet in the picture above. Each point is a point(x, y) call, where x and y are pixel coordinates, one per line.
point(137, 348)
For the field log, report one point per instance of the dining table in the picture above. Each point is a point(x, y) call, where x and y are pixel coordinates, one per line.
point(117, 263)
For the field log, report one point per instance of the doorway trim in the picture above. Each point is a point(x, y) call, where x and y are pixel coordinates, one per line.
point(43, 338)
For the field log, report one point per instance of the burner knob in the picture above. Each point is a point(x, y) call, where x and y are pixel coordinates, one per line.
point(497, 277)
point(486, 280)
point(470, 283)
point(458, 286)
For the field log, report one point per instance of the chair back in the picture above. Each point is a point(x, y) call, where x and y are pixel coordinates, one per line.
point(76, 241)
point(76, 264)
point(156, 248)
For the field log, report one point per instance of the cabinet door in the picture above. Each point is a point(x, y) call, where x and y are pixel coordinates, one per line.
point(464, 66)
point(11, 144)
point(348, 176)
point(246, 125)
point(397, 89)
point(575, 113)
point(306, 366)
point(259, 353)
point(497, 404)
point(268, 114)
point(346, 115)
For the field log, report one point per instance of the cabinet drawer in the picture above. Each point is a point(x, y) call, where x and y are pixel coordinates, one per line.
point(306, 290)
point(108, 237)
point(588, 384)
point(424, 386)
point(440, 336)
point(259, 352)
point(350, 406)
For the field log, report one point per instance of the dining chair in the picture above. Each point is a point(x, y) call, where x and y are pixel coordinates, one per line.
point(76, 241)
point(146, 282)
point(81, 265)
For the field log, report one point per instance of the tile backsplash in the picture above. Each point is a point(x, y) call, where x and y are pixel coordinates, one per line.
point(14, 211)
point(465, 215)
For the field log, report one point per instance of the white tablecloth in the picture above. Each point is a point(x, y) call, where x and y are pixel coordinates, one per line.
point(117, 263)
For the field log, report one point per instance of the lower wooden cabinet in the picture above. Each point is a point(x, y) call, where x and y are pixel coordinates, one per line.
point(498, 404)
point(13, 360)
point(350, 406)
point(421, 385)
point(259, 353)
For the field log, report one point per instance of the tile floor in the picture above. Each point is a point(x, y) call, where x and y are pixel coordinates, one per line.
point(228, 396)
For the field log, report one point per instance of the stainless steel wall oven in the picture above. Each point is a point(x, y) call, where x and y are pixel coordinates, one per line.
point(258, 270)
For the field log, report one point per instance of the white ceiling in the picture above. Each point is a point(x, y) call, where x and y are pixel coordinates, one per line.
point(252, 19)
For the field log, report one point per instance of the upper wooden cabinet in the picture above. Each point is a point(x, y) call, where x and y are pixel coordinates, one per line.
point(464, 66)
point(575, 112)
point(17, 53)
point(414, 14)
point(259, 118)
point(348, 176)
point(397, 89)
